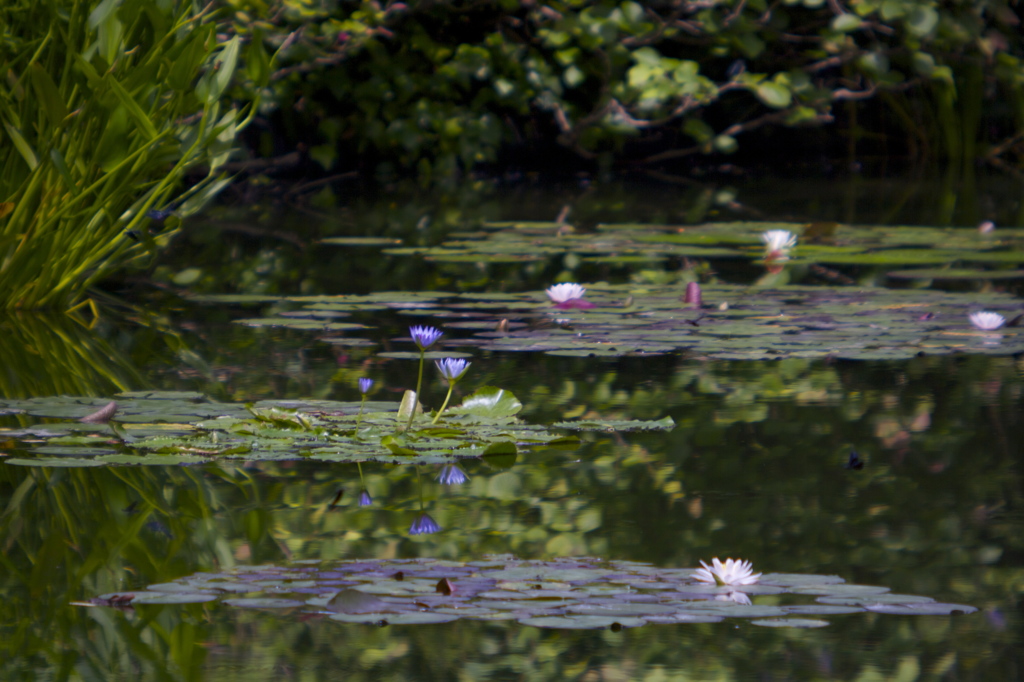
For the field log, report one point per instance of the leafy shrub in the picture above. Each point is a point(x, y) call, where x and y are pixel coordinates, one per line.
point(435, 86)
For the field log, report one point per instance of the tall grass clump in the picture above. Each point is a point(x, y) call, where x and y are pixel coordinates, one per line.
point(105, 107)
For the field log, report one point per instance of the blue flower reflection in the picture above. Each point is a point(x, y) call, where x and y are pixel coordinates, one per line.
point(451, 474)
point(424, 525)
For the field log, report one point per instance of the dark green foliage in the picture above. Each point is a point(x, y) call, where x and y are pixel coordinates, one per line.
point(106, 107)
point(439, 86)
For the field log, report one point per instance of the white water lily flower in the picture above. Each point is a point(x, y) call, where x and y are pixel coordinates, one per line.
point(778, 241)
point(562, 293)
point(732, 572)
point(987, 321)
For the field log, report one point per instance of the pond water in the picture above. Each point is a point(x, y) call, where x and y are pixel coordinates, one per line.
point(757, 465)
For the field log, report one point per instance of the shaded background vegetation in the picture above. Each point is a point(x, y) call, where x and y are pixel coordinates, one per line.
point(443, 87)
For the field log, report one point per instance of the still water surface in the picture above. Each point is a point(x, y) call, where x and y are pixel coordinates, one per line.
point(753, 469)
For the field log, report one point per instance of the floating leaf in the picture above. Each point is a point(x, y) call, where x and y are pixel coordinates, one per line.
point(264, 603)
point(663, 424)
point(489, 401)
point(790, 623)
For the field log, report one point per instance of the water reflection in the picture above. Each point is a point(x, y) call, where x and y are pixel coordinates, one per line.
point(59, 354)
point(789, 507)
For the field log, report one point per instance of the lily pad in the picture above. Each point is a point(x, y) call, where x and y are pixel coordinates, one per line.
point(790, 623)
point(580, 622)
point(921, 609)
point(264, 603)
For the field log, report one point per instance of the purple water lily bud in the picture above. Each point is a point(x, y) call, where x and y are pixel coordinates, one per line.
point(693, 295)
point(365, 384)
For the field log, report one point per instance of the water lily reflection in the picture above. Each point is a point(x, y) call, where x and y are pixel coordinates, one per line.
point(738, 597)
point(364, 499)
point(732, 572)
point(452, 474)
point(424, 525)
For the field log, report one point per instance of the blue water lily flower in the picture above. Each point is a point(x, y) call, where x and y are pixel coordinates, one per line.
point(424, 337)
point(452, 369)
point(365, 384)
point(452, 474)
point(364, 499)
point(424, 525)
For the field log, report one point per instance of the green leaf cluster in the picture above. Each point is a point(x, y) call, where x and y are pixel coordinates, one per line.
point(439, 87)
point(105, 107)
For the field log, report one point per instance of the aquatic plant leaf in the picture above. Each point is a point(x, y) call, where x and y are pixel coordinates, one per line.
point(264, 603)
point(185, 597)
point(581, 622)
point(500, 455)
point(411, 618)
point(69, 462)
point(790, 623)
point(820, 609)
point(663, 424)
point(354, 601)
point(922, 609)
point(489, 401)
point(360, 241)
point(958, 273)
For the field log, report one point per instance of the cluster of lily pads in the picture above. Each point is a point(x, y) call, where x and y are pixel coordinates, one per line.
point(778, 247)
point(570, 593)
point(161, 428)
point(769, 319)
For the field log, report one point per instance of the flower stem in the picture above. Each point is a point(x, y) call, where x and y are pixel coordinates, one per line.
point(437, 416)
point(419, 384)
point(359, 416)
